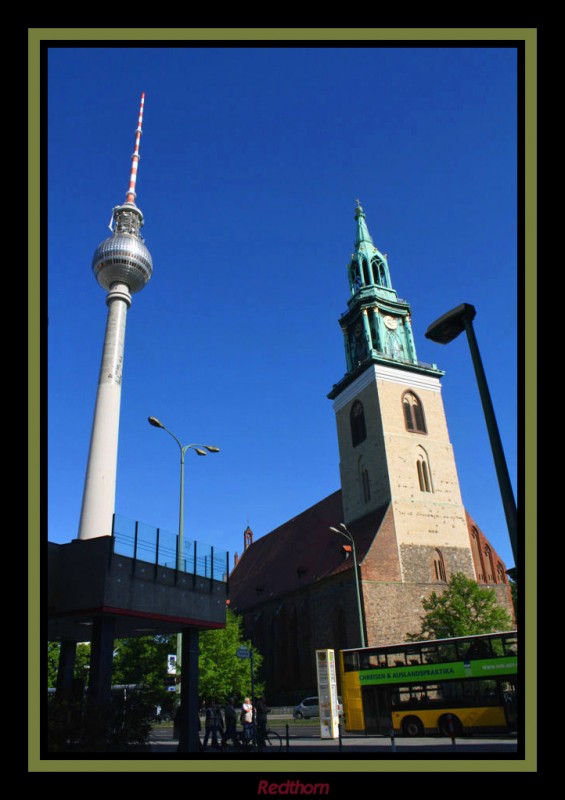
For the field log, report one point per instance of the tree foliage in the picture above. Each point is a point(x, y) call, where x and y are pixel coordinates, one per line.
point(222, 673)
point(142, 660)
point(462, 609)
point(82, 660)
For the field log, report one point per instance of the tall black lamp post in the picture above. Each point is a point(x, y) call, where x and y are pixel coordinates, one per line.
point(342, 530)
point(443, 331)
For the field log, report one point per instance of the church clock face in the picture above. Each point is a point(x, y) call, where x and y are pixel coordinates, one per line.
point(391, 323)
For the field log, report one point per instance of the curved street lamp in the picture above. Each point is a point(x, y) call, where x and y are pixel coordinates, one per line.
point(443, 331)
point(342, 530)
point(200, 450)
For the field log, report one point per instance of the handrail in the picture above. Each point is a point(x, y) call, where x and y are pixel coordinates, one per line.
point(152, 545)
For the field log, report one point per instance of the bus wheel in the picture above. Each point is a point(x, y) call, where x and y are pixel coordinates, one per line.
point(412, 726)
point(450, 725)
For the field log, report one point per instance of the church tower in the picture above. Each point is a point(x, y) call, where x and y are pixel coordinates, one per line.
point(392, 433)
point(296, 587)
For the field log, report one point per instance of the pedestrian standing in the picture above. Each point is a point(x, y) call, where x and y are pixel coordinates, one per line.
point(211, 725)
point(230, 715)
point(262, 711)
point(247, 718)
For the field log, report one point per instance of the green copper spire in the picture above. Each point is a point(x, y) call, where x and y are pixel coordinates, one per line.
point(363, 234)
point(377, 328)
point(368, 267)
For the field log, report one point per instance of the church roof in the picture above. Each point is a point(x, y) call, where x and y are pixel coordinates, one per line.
point(299, 553)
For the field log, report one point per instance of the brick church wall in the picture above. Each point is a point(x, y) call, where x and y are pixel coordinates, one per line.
point(287, 631)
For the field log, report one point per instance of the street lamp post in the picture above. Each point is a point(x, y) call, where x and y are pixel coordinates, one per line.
point(200, 450)
point(342, 530)
point(443, 331)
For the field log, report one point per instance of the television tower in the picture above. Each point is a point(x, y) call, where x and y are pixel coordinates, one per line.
point(122, 265)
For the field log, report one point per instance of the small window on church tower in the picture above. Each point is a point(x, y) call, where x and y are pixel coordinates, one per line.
point(357, 419)
point(413, 413)
point(366, 485)
point(439, 567)
point(424, 472)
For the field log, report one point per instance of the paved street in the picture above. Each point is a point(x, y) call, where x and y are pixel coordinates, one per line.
point(308, 741)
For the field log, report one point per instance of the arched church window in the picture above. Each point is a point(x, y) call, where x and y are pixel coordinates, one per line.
point(357, 420)
point(356, 281)
point(500, 575)
point(439, 573)
point(365, 485)
point(489, 565)
point(379, 272)
point(382, 274)
point(363, 481)
point(424, 472)
point(413, 413)
point(366, 275)
point(477, 555)
point(394, 346)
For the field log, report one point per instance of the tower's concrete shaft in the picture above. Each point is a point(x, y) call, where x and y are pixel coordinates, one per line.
point(100, 483)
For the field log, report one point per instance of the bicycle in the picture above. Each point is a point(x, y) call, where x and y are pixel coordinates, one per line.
point(270, 740)
point(260, 741)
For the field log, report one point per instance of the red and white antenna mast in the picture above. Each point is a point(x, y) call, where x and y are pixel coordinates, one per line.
point(130, 194)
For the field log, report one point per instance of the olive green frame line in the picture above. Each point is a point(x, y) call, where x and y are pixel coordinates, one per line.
point(39, 38)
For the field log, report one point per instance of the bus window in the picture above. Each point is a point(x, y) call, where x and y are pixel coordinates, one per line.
point(397, 658)
point(364, 661)
point(429, 654)
point(350, 661)
point(510, 646)
point(447, 652)
point(480, 648)
point(497, 646)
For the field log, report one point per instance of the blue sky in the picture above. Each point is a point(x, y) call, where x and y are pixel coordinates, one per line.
point(251, 161)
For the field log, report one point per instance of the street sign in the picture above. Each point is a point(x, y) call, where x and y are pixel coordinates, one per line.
point(243, 652)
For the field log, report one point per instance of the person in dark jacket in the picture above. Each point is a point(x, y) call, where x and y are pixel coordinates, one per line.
point(213, 725)
point(230, 716)
point(262, 710)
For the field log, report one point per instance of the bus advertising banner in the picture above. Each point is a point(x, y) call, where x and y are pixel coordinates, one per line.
point(327, 694)
point(458, 670)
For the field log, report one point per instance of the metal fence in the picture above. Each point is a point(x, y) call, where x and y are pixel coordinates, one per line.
point(144, 542)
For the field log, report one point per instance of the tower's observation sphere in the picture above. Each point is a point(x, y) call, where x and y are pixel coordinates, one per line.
point(123, 257)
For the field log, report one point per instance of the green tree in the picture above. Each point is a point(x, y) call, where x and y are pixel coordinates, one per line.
point(142, 660)
point(82, 660)
point(221, 673)
point(52, 663)
point(462, 609)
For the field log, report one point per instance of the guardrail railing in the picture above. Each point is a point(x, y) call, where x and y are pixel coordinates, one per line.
point(143, 542)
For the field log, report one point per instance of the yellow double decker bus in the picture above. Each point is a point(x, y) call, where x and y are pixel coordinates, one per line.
point(448, 687)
